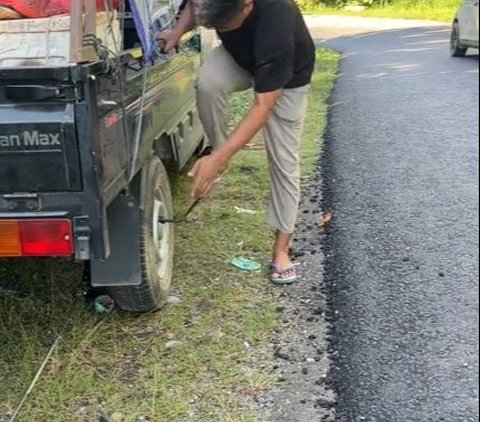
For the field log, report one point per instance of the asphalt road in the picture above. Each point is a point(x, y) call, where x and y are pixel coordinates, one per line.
point(401, 177)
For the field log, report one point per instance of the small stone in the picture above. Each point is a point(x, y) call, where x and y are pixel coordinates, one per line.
point(406, 259)
point(278, 353)
point(310, 360)
point(325, 403)
point(117, 417)
point(82, 410)
point(172, 344)
point(280, 309)
point(441, 274)
point(248, 170)
point(174, 300)
point(303, 401)
point(305, 371)
point(312, 337)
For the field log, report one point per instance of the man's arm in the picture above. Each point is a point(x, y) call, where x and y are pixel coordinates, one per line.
point(207, 169)
point(185, 23)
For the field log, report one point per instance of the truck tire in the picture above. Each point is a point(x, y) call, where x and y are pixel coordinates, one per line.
point(156, 243)
point(456, 47)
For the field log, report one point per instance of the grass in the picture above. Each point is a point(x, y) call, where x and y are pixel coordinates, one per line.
point(201, 360)
point(436, 10)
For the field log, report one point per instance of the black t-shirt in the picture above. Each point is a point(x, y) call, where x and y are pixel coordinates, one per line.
point(274, 45)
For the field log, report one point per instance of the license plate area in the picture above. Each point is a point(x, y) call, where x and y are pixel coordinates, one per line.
point(38, 156)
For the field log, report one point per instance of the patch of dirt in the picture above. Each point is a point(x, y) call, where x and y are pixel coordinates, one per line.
point(302, 360)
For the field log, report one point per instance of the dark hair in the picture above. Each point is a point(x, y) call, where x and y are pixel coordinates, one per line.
point(215, 13)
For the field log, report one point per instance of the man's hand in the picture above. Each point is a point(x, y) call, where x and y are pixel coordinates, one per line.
point(204, 173)
point(168, 39)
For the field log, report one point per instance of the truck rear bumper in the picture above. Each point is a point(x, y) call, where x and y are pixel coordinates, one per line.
point(16, 210)
point(76, 225)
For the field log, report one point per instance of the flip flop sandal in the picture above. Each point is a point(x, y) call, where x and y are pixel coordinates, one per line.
point(271, 266)
point(281, 278)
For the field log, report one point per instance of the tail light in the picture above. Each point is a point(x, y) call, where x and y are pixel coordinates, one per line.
point(28, 238)
point(9, 239)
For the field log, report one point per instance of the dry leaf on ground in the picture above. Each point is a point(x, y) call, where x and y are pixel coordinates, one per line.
point(325, 220)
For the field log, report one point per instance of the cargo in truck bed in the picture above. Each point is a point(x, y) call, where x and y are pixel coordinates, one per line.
point(46, 41)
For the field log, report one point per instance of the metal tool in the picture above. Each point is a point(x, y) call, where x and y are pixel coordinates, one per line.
point(185, 216)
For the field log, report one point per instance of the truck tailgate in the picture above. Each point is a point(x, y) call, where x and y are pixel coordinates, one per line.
point(38, 148)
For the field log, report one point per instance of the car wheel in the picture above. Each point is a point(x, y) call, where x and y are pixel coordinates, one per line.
point(156, 243)
point(456, 47)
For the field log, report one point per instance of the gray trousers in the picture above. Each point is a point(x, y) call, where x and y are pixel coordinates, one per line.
point(220, 76)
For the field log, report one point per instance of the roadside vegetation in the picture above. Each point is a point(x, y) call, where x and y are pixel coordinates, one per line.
point(437, 10)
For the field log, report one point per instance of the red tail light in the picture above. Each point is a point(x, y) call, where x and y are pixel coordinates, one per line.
point(36, 238)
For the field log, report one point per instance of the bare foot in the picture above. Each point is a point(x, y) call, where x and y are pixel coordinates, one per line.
point(282, 261)
point(283, 271)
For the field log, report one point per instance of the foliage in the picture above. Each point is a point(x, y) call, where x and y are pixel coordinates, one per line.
point(439, 10)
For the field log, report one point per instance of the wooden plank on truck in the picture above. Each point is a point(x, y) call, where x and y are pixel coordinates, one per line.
point(46, 41)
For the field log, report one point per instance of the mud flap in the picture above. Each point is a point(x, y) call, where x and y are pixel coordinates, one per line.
point(123, 266)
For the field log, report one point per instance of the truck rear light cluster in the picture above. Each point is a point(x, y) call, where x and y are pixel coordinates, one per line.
point(42, 237)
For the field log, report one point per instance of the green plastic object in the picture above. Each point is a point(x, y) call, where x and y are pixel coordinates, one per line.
point(246, 264)
point(103, 305)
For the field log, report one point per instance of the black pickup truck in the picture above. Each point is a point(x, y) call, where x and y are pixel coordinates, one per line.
point(82, 153)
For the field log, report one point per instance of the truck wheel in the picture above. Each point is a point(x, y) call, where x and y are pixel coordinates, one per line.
point(156, 242)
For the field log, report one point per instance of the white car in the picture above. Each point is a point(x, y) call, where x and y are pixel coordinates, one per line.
point(465, 28)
